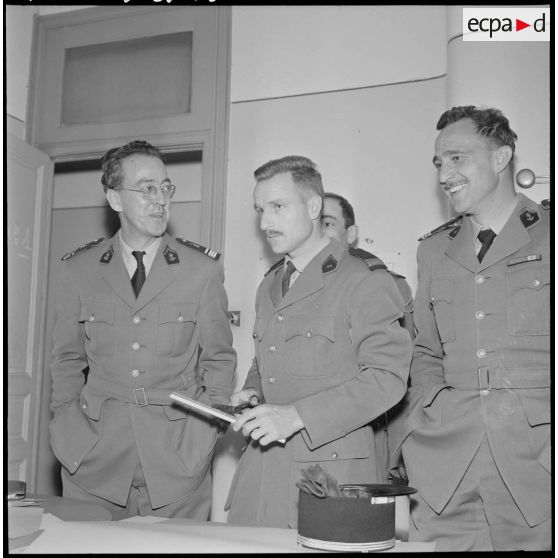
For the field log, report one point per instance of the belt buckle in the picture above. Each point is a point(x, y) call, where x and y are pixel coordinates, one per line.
point(484, 379)
point(142, 402)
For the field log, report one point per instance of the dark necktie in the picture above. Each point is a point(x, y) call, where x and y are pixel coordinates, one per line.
point(486, 236)
point(289, 270)
point(138, 278)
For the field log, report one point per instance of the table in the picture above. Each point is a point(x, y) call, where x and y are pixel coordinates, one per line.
point(175, 536)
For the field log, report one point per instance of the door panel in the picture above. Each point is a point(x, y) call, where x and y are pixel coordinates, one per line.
point(29, 193)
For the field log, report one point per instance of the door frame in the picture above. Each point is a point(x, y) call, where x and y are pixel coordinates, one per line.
point(212, 142)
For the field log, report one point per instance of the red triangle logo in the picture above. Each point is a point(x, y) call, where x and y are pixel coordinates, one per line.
point(519, 25)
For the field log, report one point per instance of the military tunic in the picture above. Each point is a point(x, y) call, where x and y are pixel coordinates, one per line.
point(481, 364)
point(174, 337)
point(333, 348)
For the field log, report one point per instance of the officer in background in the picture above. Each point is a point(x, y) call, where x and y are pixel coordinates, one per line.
point(338, 221)
point(478, 446)
point(147, 314)
point(330, 355)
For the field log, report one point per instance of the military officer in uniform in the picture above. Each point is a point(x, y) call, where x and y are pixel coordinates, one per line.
point(147, 315)
point(338, 221)
point(330, 355)
point(478, 445)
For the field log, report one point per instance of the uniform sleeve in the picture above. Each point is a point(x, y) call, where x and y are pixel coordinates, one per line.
point(383, 353)
point(68, 353)
point(427, 364)
point(217, 357)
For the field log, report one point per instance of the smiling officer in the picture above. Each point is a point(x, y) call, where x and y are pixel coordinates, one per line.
point(146, 314)
point(478, 448)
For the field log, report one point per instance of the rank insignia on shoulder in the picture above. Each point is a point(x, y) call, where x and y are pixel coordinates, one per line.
point(81, 248)
point(107, 256)
point(329, 265)
point(275, 266)
point(529, 217)
point(207, 251)
point(171, 257)
point(452, 223)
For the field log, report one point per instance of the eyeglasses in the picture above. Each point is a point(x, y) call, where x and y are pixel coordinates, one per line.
point(150, 191)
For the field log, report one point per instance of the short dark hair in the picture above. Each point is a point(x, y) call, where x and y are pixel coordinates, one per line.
point(303, 171)
point(346, 208)
point(111, 165)
point(490, 123)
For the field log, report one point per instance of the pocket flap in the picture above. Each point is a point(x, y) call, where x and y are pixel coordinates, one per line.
point(536, 404)
point(528, 277)
point(309, 326)
point(91, 403)
point(433, 393)
point(177, 313)
point(356, 444)
point(97, 312)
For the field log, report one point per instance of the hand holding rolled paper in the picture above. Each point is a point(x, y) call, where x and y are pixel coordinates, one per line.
point(317, 481)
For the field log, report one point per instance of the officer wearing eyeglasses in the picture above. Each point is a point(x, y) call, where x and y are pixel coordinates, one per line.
point(145, 314)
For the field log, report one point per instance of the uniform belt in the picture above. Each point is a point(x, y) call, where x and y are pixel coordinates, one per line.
point(499, 378)
point(142, 396)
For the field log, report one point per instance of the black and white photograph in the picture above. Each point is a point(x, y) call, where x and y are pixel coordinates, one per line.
point(277, 278)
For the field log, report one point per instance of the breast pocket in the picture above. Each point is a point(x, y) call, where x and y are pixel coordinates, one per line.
point(177, 323)
point(441, 303)
point(309, 350)
point(98, 321)
point(529, 300)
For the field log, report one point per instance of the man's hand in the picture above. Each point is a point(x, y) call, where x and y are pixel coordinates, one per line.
point(269, 423)
point(241, 397)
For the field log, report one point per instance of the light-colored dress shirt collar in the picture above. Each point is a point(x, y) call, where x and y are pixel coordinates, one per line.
point(496, 224)
point(130, 262)
point(301, 262)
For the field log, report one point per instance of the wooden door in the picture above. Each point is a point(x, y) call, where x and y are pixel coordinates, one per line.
point(29, 192)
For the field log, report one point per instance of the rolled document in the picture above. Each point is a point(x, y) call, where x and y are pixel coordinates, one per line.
point(207, 409)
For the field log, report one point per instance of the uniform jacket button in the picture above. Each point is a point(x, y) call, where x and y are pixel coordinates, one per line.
point(334, 455)
point(180, 318)
point(308, 334)
point(91, 318)
point(273, 348)
point(271, 380)
point(479, 315)
point(479, 279)
point(135, 345)
point(280, 318)
point(136, 319)
point(481, 353)
point(135, 373)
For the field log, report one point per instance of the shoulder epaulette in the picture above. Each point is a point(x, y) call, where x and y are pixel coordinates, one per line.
point(545, 204)
point(275, 266)
point(372, 261)
point(450, 224)
point(207, 251)
point(82, 247)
